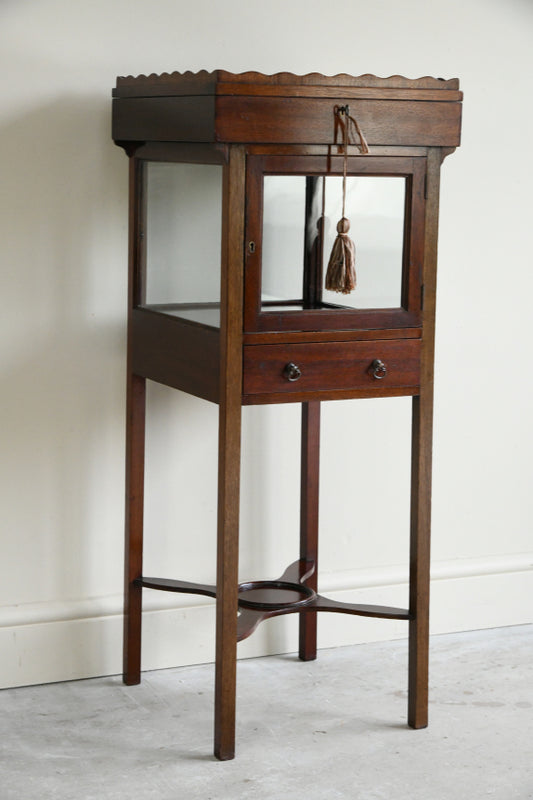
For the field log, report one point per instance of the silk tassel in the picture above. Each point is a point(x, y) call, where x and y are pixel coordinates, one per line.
point(341, 276)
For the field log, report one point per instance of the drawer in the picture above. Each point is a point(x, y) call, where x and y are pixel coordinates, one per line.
point(297, 120)
point(372, 366)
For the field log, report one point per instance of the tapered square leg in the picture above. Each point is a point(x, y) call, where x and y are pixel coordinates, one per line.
point(135, 431)
point(227, 582)
point(229, 452)
point(421, 461)
point(310, 469)
point(420, 565)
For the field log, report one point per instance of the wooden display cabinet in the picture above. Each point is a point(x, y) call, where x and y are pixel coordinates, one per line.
point(235, 182)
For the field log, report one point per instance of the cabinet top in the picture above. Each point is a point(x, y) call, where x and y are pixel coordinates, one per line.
point(252, 108)
point(286, 84)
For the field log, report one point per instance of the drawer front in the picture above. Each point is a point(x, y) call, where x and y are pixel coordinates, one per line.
point(375, 366)
point(298, 120)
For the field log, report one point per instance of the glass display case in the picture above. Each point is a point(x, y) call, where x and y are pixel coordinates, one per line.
point(249, 196)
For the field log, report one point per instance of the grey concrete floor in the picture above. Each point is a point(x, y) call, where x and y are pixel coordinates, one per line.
point(333, 728)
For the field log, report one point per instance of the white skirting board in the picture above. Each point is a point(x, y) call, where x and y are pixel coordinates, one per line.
point(44, 643)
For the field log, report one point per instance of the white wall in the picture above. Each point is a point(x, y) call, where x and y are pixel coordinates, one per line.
point(63, 260)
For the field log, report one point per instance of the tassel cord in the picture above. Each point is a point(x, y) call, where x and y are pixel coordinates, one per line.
point(345, 120)
point(346, 137)
point(363, 145)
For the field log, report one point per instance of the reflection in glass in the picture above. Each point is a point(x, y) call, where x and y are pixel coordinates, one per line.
point(300, 215)
point(182, 239)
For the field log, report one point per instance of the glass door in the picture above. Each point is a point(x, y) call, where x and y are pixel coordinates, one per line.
point(294, 206)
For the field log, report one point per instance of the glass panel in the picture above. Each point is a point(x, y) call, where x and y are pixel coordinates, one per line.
point(182, 239)
point(283, 236)
point(294, 262)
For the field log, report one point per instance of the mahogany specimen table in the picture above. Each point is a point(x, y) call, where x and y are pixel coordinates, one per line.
point(260, 163)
